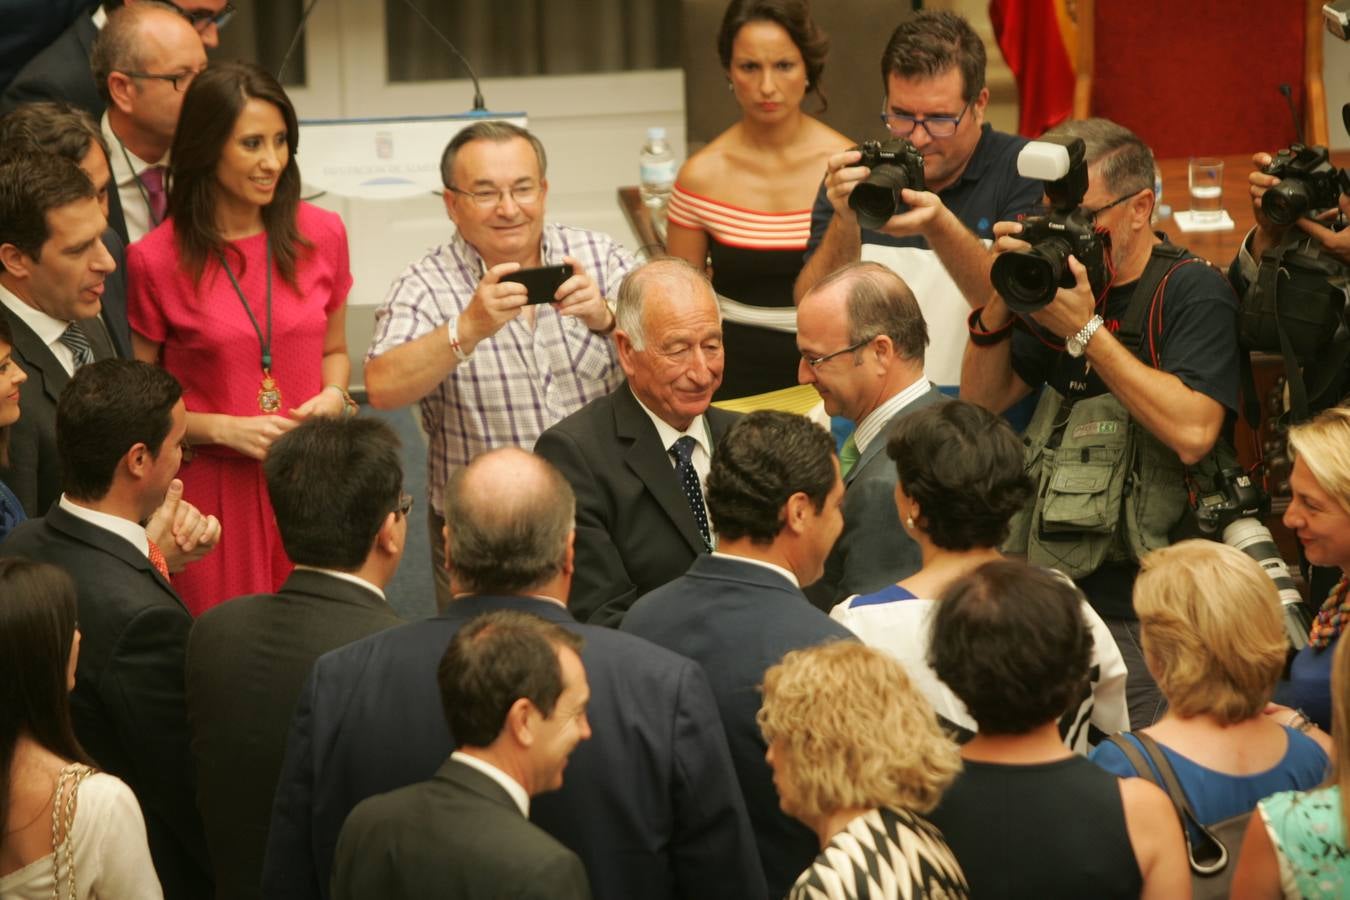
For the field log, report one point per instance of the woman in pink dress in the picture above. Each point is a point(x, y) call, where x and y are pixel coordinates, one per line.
point(241, 294)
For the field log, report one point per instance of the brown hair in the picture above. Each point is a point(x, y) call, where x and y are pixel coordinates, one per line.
point(794, 17)
point(212, 105)
point(6, 337)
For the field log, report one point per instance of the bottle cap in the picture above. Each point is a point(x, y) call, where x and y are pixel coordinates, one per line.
point(656, 133)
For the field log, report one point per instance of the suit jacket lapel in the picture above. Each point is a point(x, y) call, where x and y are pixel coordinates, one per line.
point(112, 544)
point(878, 444)
point(651, 463)
point(37, 357)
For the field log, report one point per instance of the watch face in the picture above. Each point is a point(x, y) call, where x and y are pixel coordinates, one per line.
point(1074, 346)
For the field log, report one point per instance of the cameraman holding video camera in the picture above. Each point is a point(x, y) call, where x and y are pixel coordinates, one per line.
point(1138, 354)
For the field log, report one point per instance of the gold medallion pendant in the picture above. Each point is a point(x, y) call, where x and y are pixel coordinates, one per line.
point(269, 395)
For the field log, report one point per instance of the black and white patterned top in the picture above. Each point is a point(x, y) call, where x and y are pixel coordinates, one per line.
point(886, 854)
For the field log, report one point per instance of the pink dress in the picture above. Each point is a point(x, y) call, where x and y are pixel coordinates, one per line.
point(212, 349)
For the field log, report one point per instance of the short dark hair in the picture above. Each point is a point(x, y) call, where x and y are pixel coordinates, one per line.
point(107, 408)
point(52, 127)
point(32, 185)
point(1010, 641)
point(794, 17)
point(880, 302)
point(332, 483)
point(211, 107)
point(6, 337)
point(37, 627)
point(508, 538)
point(930, 44)
point(1127, 165)
point(963, 466)
point(494, 660)
point(763, 460)
point(494, 130)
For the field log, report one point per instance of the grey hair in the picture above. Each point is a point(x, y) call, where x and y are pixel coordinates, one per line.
point(493, 130)
point(118, 45)
point(508, 536)
point(880, 302)
point(1127, 164)
point(628, 304)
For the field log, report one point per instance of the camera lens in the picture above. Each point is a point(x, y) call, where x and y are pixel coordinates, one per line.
point(878, 198)
point(1286, 202)
point(1027, 279)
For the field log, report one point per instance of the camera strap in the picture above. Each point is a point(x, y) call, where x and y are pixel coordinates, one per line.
point(1136, 324)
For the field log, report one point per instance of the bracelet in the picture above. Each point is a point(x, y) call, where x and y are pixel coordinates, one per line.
point(981, 337)
point(1299, 721)
point(608, 329)
point(349, 406)
point(453, 331)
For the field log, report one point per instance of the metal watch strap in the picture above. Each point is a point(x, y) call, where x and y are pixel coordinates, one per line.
point(1083, 336)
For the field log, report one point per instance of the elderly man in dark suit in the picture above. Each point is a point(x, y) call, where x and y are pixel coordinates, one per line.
point(637, 458)
point(650, 803)
point(121, 427)
point(776, 498)
point(337, 489)
point(862, 338)
point(515, 694)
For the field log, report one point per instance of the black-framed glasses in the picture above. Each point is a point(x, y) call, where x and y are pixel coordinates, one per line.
point(521, 195)
point(180, 81)
point(202, 19)
point(902, 124)
point(1092, 214)
point(405, 504)
point(816, 362)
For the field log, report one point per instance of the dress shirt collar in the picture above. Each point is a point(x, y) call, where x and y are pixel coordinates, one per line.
point(875, 421)
point(759, 562)
point(125, 164)
point(698, 429)
point(347, 577)
point(509, 784)
point(132, 532)
point(47, 329)
point(471, 253)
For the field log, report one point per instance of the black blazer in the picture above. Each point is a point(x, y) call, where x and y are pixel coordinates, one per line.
point(246, 662)
point(736, 619)
point(34, 472)
point(635, 531)
point(459, 836)
point(127, 706)
point(60, 72)
point(650, 803)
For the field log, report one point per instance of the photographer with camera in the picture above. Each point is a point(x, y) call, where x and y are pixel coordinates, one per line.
point(1128, 409)
point(937, 184)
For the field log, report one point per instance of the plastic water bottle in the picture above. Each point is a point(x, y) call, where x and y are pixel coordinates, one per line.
point(657, 175)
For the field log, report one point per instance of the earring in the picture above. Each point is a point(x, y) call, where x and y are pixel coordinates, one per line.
point(909, 522)
point(730, 86)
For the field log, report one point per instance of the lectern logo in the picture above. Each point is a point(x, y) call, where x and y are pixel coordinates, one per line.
point(384, 144)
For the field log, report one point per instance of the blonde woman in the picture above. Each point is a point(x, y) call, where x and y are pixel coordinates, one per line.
point(1296, 845)
point(1213, 638)
point(857, 757)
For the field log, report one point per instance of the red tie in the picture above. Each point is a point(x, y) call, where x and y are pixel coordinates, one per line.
point(152, 177)
point(157, 560)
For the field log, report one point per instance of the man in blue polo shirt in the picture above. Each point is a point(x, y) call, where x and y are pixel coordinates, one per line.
point(933, 71)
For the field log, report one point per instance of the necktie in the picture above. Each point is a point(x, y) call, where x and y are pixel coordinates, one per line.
point(683, 451)
point(157, 560)
point(848, 456)
point(75, 338)
point(152, 178)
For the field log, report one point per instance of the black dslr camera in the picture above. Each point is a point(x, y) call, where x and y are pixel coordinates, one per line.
point(1308, 182)
point(896, 164)
point(1028, 279)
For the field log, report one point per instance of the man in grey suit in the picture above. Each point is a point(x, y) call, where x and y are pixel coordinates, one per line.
point(337, 489)
point(862, 339)
point(775, 496)
point(514, 691)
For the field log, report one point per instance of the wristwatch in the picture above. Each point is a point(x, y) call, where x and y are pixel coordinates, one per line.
point(1077, 344)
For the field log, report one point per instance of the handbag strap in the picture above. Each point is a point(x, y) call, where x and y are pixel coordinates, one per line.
point(1161, 774)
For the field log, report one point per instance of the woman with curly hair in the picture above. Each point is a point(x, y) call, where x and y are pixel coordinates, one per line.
point(858, 757)
point(960, 480)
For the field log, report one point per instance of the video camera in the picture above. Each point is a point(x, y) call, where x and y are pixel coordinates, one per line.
point(896, 164)
point(1028, 279)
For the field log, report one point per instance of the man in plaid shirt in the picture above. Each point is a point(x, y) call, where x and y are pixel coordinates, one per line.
point(489, 369)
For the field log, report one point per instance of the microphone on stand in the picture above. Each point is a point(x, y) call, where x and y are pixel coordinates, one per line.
point(1288, 93)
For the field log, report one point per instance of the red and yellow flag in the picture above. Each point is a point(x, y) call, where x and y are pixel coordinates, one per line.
point(1039, 39)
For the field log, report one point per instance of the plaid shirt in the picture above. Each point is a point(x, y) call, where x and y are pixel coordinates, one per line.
point(519, 381)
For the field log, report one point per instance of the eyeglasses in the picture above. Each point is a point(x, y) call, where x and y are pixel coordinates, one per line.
point(202, 19)
point(816, 362)
point(521, 195)
point(405, 504)
point(1092, 214)
point(902, 124)
point(180, 81)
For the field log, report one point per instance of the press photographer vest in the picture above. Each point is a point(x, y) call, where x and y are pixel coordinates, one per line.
point(1107, 490)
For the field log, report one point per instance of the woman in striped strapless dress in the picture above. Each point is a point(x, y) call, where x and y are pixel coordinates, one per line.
point(742, 204)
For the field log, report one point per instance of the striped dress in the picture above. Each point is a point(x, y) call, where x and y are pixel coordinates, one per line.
point(756, 257)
